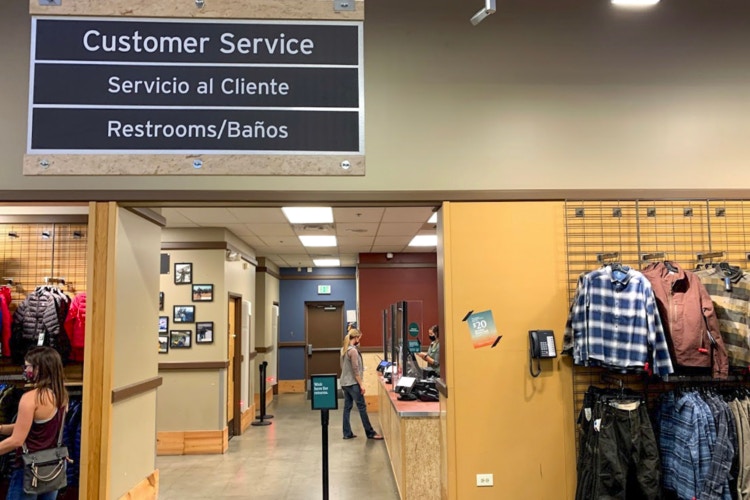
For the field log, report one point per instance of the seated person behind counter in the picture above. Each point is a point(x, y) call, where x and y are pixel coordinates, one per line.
point(432, 356)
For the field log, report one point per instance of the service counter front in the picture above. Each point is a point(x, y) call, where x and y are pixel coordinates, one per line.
point(412, 431)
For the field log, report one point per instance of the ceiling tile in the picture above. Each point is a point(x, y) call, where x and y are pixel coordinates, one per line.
point(348, 214)
point(354, 240)
point(265, 230)
point(258, 215)
point(407, 214)
point(399, 229)
point(209, 216)
point(239, 229)
point(392, 240)
point(356, 228)
point(174, 217)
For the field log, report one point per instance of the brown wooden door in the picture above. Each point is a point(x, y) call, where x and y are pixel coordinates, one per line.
point(324, 331)
point(234, 381)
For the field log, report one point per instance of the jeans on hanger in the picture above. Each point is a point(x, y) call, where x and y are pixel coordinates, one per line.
point(15, 489)
point(353, 394)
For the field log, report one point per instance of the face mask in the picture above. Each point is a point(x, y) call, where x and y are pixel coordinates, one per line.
point(28, 374)
point(432, 337)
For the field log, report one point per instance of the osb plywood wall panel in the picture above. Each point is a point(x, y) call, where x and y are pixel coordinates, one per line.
point(226, 9)
point(32, 254)
point(184, 165)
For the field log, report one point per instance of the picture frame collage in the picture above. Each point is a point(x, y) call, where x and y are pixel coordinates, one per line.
point(183, 315)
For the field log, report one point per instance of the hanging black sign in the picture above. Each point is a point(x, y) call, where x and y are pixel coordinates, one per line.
point(184, 86)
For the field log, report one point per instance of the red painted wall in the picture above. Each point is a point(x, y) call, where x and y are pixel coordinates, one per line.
point(393, 280)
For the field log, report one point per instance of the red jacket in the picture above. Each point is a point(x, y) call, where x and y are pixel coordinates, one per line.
point(688, 316)
point(75, 326)
point(5, 300)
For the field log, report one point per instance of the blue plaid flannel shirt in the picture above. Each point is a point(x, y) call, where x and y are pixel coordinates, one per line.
point(613, 322)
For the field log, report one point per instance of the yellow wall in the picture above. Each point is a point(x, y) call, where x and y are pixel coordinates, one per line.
point(133, 437)
point(508, 258)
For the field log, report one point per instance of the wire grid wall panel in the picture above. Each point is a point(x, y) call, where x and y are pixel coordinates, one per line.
point(33, 255)
point(691, 233)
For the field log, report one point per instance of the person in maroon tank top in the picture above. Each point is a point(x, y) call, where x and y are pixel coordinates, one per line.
point(40, 415)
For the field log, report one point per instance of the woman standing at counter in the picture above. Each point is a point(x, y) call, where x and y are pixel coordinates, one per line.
point(432, 356)
point(352, 371)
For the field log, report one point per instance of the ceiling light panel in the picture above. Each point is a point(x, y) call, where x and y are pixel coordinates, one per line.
point(634, 4)
point(326, 262)
point(308, 215)
point(424, 240)
point(318, 240)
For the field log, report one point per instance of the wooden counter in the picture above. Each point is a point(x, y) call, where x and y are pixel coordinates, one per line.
point(412, 435)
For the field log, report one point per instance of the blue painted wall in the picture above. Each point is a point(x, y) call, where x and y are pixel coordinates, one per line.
point(293, 293)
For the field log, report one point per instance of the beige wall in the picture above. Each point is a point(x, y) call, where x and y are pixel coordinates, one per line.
point(133, 437)
point(267, 292)
point(534, 97)
point(497, 418)
point(196, 400)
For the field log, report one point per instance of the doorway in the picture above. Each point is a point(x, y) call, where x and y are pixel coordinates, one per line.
point(324, 331)
point(234, 364)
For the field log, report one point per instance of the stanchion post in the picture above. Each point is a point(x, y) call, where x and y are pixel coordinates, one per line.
point(324, 397)
point(260, 421)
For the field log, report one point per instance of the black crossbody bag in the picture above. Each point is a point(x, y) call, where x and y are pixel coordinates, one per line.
point(46, 470)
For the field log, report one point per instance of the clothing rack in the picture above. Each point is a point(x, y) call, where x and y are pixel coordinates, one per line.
point(653, 256)
point(51, 280)
point(701, 256)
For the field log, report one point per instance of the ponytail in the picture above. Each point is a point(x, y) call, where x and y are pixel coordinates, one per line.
point(351, 334)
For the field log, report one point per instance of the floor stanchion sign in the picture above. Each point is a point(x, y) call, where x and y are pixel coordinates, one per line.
point(324, 398)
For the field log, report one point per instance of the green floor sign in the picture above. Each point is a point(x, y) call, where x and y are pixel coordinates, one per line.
point(324, 392)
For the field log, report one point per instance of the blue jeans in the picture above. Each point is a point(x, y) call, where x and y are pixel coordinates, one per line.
point(15, 489)
point(353, 394)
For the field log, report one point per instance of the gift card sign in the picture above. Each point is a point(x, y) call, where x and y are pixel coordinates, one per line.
point(482, 328)
point(324, 395)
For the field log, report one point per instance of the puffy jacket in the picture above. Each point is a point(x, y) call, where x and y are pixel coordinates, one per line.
point(687, 313)
point(7, 319)
point(75, 326)
point(42, 312)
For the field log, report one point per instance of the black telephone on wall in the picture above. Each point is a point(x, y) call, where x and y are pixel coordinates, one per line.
point(541, 345)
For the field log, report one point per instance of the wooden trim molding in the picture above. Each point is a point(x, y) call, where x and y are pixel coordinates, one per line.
point(192, 442)
point(251, 356)
point(292, 344)
point(321, 278)
point(193, 365)
point(122, 393)
point(44, 219)
point(398, 265)
point(149, 215)
point(207, 245)
point(258, 9)
point(270, 272)
point(265, 349)
point(193, 245)
point(148, 489)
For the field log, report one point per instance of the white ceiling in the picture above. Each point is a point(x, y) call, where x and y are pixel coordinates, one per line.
point(357, 230)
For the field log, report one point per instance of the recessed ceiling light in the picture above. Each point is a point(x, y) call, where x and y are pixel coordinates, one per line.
point(318, 241)
point(635, 4)
point(432, 219)
point(424, 240)
point(327, 262)
point(307, 215)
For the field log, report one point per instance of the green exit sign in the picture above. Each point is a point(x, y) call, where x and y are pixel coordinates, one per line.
point(324, 289)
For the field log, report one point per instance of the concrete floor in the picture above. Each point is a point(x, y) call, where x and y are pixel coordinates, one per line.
point(283, 461)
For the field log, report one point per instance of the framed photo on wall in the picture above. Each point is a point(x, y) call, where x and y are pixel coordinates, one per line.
point(180, 339)
point(183, 273)
point(203, 293)
point(163, 324)
point(183, 314)
point(163, 344)
point(204, 332)
point(161, 301)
